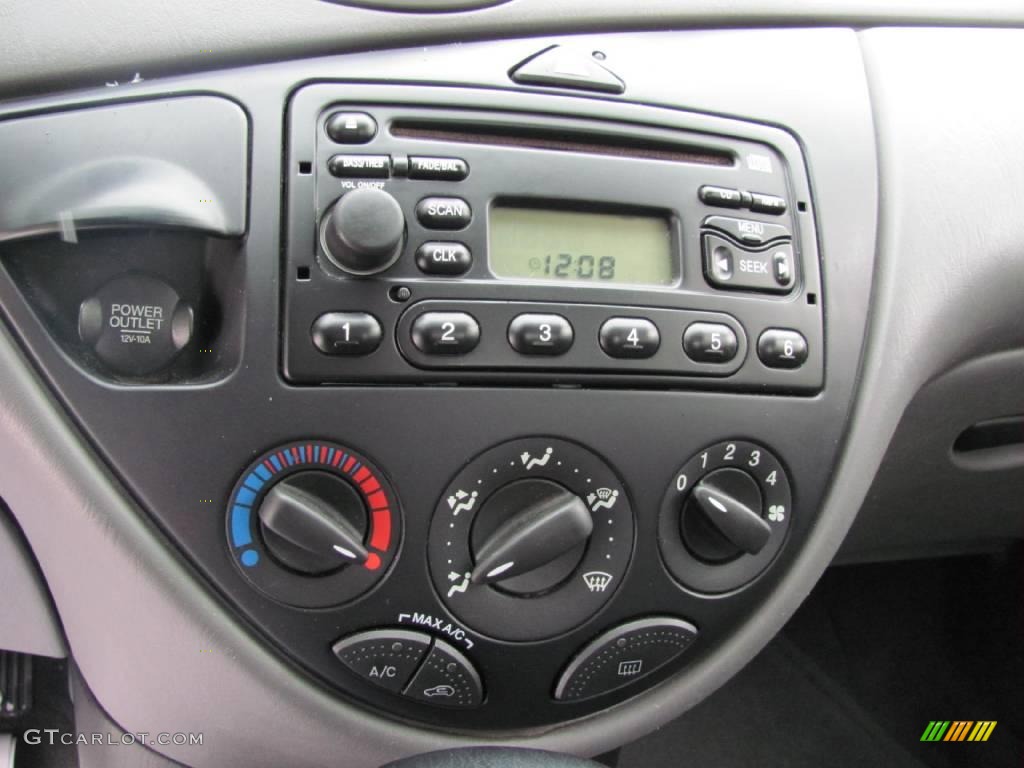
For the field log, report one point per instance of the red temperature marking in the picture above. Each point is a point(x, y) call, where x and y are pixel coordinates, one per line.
point(381, 537)
point(370, 486)
point(323, 454)
point(372, 562)
point(361, 475)
point(377, 500)
point(348, 464)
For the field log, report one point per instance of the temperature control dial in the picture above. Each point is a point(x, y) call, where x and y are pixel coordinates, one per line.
point(725, 516)
point(313, 524)
point(530, 539)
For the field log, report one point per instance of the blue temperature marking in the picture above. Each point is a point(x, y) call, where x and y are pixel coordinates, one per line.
point(240, 534)
point(288, 458)
point(250, 557)
point(276, 462)
point(252, 481)
point(245, 496)
point(263, 472)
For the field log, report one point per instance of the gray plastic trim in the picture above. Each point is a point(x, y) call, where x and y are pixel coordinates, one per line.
point(27, 621)
point(170, 163)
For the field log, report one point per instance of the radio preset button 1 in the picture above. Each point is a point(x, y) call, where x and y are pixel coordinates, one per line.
point(351, 127)
point(438, 168)
point(782, 348)
point(439, 257)
point(761, 203)
point(540, 334)
point(720, 197)
point(346, 333)
point(710, 343)
point(445, 333)
point(360, 166)
point(747, 230)
point(629, 337)
point(443, 212)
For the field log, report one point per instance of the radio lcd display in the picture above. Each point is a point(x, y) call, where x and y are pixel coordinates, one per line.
point(580, 246)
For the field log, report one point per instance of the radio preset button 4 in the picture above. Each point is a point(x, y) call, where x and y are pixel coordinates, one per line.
point(445, 333)
point(444, 212)
point(710, 343)
point(540, 334)
point(443, 258)
point(629, 337)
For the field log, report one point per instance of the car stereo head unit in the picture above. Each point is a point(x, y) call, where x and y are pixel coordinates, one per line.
point(457, 244)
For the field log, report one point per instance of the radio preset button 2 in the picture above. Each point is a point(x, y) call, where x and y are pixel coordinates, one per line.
point(360, 166)
point(439, 257)
point(444, 212)
point(720, 197)
point(710, 343)
point(445, 333)
point(346, 333)
point(782, 348)
point(438, 168)
point(351, 127)
point(629, 337)
point(540, 334)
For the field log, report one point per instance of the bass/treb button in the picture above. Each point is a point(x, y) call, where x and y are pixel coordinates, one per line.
point(540, 334)
point(385, 657)
point(629, 337)
point(622, 655)
point(710, 343)
point(444, 212)
point(445, 333)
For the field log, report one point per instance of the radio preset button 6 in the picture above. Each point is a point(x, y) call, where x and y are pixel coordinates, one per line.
point(445, 333)
point(346, 333)
point(747, 230)
point(443, 212)
point(438, 168)
point(710, 343)
point(781, 348)
point(351, 127)
point(629, 337)
point(720, 197)
point(540, 334)
point(443, 258)
point(360, 166)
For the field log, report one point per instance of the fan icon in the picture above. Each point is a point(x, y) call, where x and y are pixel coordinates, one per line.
point(776, 513)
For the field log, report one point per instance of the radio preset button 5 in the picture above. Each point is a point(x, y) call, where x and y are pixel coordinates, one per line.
point(782, 348)
point(445, 333)
point(443, 258)
point(710, 343)
point(351, 127)
point(540, 334)
point(360, 166)
point(720, 197)
point(444, 212)
point(629, 337)
point(438, 168)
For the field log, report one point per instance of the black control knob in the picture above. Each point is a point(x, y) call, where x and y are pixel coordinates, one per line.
point(540, 537)
point(722, 517)
point(314, 523)
point(364, 232)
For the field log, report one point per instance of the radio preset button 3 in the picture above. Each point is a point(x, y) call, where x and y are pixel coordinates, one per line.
point(444, 212)
point(710, 343)
point(540, 334)
point(445, 333)
point(351, 127)
point(629, 337)
point(438, 168)
point(439, 257)
point(360, 166)
point(782, 348)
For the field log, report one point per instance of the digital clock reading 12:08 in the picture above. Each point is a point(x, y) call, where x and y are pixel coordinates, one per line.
point(562, 245)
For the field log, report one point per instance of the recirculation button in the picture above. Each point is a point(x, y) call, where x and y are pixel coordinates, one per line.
point(622, 655)
point(446, 679)
point(385, 657)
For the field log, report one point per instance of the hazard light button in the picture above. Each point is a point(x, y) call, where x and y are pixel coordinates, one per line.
point(384, 657)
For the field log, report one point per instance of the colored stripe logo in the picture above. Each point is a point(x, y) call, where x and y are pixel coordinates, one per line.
point(958, 730)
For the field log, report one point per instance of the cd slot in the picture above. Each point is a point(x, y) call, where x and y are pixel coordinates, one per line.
point(561, 141)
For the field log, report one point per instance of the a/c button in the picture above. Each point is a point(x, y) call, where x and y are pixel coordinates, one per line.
point(385, 657)
point(443, 258)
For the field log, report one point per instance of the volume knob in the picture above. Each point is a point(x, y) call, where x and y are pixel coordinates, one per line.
point(364, 231)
